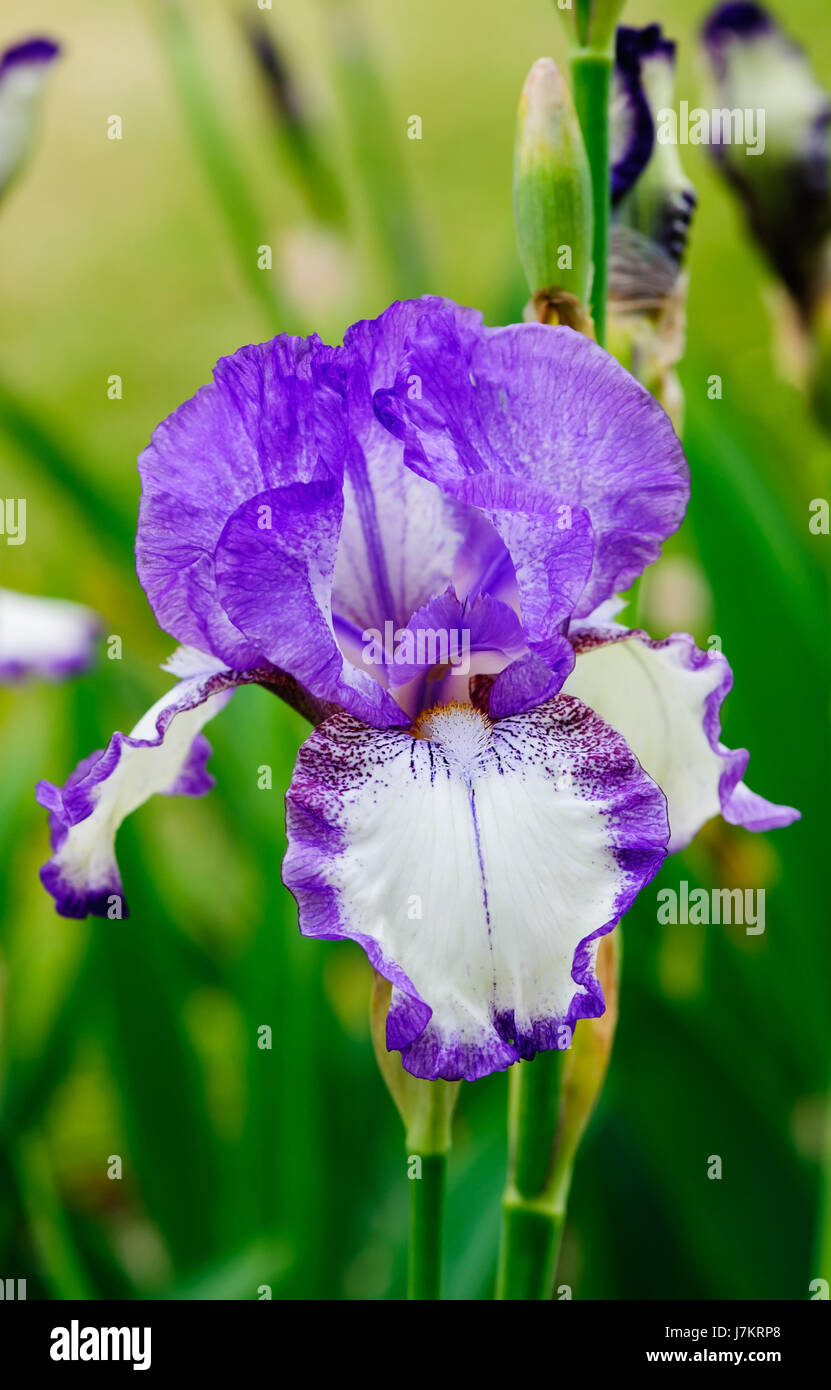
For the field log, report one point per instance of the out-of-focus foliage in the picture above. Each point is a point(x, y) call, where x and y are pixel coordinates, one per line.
point(244, 1166)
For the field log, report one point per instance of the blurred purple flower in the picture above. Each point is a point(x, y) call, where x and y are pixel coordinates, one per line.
point(23, 72)
point(652, 208)
point(47, 637)
point(786, 189)
point(43, 637)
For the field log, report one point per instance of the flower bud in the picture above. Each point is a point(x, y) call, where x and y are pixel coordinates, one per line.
point(426, 1107)
point(23, 71)
point(552, 187)
point(585, 1070)
point(591, 23)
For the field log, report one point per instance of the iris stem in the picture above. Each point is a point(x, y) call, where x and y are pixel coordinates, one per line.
point(592, 75)
point(426, 1224)
point(533, 1206)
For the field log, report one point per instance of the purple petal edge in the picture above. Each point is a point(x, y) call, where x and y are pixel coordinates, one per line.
point(739, 805)
point(72, 803)
point(640, 819)
point(631, 47)
point(35, 50)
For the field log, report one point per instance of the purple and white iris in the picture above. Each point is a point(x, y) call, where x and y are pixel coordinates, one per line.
point(316, 520)
point(49, 638)
point(39, 637)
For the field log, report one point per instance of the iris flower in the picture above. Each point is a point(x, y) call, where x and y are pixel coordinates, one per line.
point(44, 637)
point(475, 825)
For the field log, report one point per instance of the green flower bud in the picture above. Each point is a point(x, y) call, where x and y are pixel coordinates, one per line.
point(552, 187)
point(585, 1070)
point(591, 23)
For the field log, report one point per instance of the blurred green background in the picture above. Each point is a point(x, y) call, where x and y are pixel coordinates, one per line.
point(244, 1167)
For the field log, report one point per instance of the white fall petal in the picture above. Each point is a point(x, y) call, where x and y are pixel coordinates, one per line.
point(665, 699)
point(165, 752)
point(477, 864)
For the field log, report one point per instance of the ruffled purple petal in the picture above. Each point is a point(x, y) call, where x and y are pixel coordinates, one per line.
point(477, 865)
point(274, 582)
point(550, 543)
point(548, 407)
point(265, 422)
point(665, 698)
point(400, 534)
point(447, 631)
point(531, 679)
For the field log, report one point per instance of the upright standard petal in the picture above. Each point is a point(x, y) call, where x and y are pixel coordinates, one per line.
point(400, 534)
point(275, 583)
point(548, 407)
point(48, 637)
point(166, 752)
point(265, 422)
point(23, 71)
point(477, 864)
point(665, 699)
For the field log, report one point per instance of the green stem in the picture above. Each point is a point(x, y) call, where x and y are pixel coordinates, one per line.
point(592, 74)
point(822, 1260)
point(426, 1214)
point(246, 224)
point(60, 1262)
point(532, 1222)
